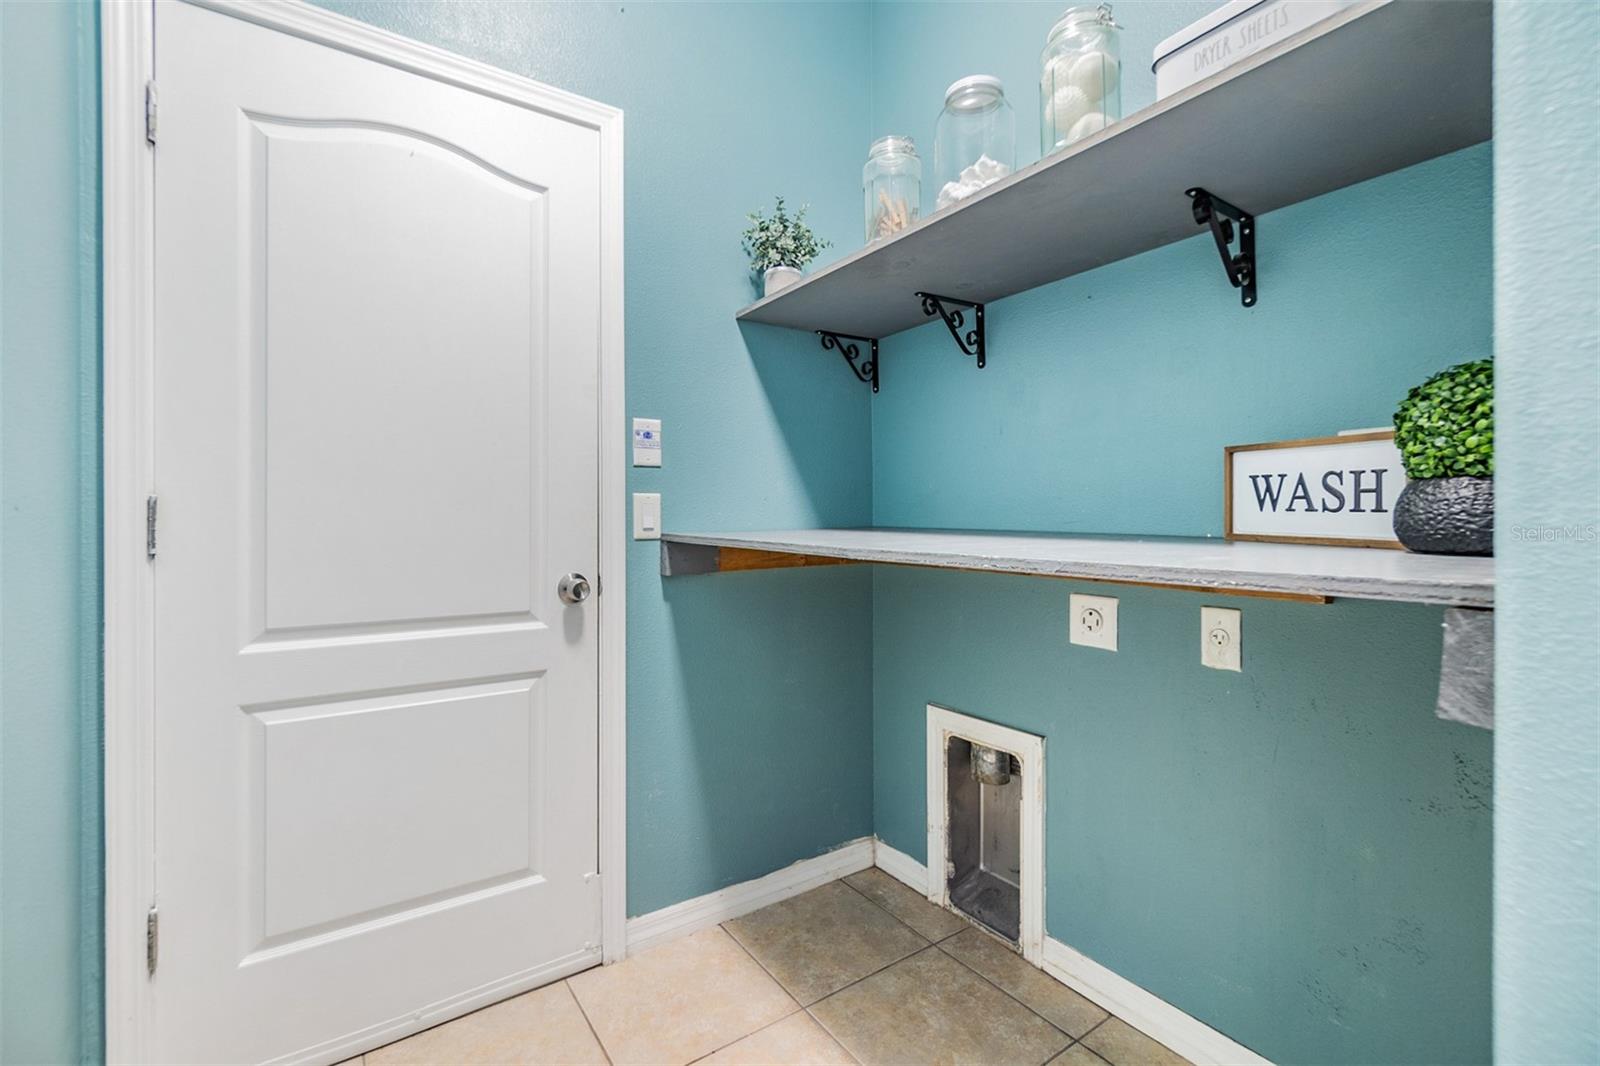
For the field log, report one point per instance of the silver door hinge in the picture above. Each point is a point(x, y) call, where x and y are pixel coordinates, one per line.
point(152, 940)
point(150, 112)
point(149, 527)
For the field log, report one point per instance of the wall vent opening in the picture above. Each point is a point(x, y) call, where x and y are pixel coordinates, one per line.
point(986, 825)
point(983, 874)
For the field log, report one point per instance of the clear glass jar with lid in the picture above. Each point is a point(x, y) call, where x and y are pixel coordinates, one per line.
point(1080, 80)
point(975, 142)
point(892, 183)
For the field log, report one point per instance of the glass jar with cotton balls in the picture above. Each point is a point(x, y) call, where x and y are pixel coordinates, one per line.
point(975, 140)
point(1080, 80)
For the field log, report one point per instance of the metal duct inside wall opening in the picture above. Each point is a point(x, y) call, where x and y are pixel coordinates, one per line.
point(991, 766)
point(984, 842)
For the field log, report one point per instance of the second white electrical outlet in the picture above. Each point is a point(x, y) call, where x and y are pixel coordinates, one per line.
point(1093, 621)
point(1219, 639)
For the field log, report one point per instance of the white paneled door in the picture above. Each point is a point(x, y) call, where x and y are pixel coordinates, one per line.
point(375, 453)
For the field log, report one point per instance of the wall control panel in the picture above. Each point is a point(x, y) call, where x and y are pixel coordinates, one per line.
point(647, 442)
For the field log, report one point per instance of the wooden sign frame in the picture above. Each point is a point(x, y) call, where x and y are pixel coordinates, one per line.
point(1304, 442)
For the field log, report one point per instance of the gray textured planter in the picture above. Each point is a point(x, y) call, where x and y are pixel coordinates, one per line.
point(1447, 516)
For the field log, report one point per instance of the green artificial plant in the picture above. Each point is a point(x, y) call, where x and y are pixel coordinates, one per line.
point(1445, 426)
point(782, 240)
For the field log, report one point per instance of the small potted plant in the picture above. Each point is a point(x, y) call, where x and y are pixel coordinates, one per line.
point(1444, 429)
point(780, 247)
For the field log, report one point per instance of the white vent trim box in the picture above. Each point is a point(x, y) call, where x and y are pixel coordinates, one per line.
point(944, 723)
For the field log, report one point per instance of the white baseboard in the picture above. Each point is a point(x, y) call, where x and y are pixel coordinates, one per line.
point(902, 867)
point(1145, 1011)
point(702, 912)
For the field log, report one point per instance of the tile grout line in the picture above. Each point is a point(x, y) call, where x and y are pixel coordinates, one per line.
point(937, 944)
point(992, 984)
point(799, 1007)
point(567, 984)
point(865, 976)
point(1091, 1050)
point(746, 1036)
point(1097, 1025)
point(781, 986)
point(895, 916)
point(804, 1009)
point(928, 943)
point(807, 1006)
point(820, 1024)
point(935, 947)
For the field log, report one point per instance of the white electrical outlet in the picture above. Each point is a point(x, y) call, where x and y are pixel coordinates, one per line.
point(647, 516)
point(1219, 639)
point(1092, 621)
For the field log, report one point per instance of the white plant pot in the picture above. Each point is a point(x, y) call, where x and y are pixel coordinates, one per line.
point(776, 279)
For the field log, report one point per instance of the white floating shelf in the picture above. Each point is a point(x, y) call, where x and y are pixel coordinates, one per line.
point(1289, 571)
point(1379, 87)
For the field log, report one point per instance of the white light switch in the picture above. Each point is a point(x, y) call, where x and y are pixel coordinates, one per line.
point(1092, 621)
point(647, 442)
point(647, 516)
point(1219, 639)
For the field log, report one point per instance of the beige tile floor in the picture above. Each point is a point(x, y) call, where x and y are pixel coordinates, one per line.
point(859, 970)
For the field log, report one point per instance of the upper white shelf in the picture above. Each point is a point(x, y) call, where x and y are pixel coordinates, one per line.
point(1240, 567)
point(1378, 87)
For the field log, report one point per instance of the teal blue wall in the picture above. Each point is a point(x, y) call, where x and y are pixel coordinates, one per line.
point(49, 535)
point(761, 428)
point(1547, 381)
point(1109, 396)
point(1298, 855)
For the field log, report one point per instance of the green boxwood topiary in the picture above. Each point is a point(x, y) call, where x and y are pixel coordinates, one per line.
point(782, 240)
point(1445, 426)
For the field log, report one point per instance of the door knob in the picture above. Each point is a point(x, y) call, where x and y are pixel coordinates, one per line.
point(574, 588)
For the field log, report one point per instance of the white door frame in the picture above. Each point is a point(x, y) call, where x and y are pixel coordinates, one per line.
point(127, 44)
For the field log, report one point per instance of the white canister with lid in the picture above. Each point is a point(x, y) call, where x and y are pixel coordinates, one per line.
point(1236, 30)
point(975, 141)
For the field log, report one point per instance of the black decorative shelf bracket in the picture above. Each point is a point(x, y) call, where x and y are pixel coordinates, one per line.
point(1221, 216)
point(866, 371)
point(956, 322)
